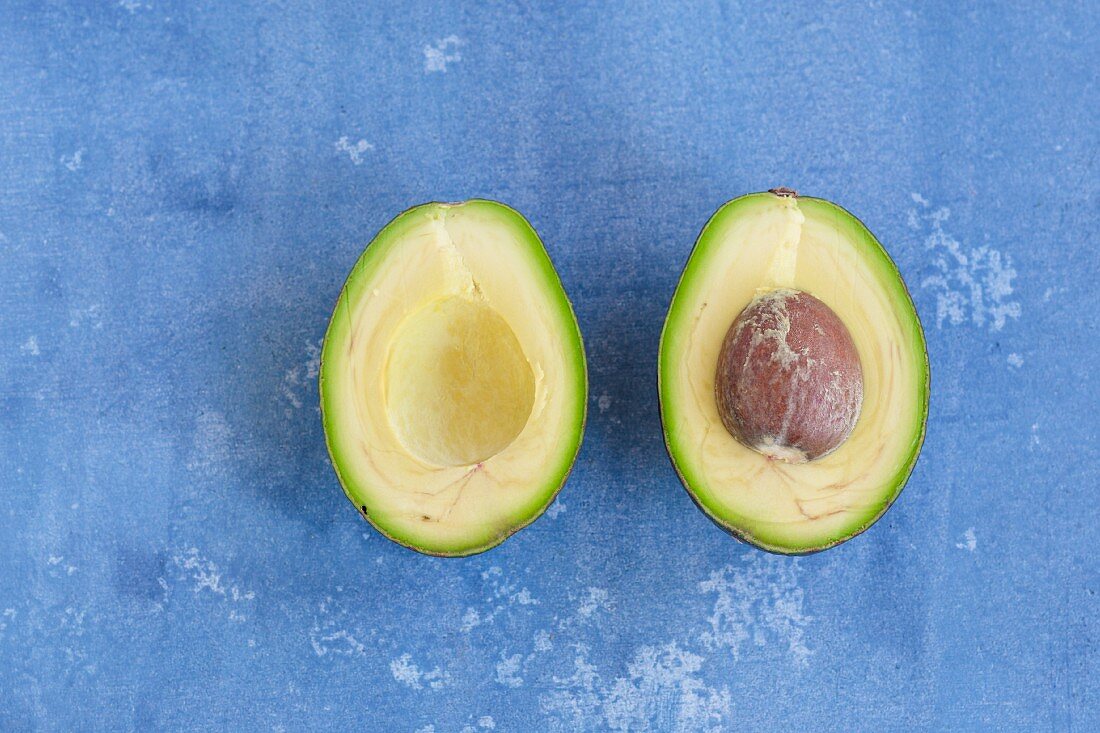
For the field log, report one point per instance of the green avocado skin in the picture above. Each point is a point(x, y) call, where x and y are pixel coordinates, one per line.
point(900, 478)
point(549, 271)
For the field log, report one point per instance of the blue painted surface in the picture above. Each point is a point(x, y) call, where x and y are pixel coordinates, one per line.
point(183, 187)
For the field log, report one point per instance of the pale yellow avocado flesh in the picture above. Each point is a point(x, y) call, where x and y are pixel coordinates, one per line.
point(765, 241)
point(453, 382)
point(458, 387)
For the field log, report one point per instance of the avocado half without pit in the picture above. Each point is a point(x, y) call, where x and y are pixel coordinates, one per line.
point(453, 382)
point(793, 374)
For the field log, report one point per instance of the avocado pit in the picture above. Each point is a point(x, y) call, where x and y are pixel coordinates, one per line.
point(789, 383)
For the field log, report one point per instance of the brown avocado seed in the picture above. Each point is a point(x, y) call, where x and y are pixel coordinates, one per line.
point(789, 383)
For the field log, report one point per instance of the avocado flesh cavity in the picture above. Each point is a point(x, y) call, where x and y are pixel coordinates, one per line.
point(759, 243)
point(459, 389)
point(453, 382)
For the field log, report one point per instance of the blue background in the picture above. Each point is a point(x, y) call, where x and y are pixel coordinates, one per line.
point(183, 188)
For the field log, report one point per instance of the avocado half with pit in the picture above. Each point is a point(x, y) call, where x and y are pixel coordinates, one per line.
point(793, 374)
point(453, 382)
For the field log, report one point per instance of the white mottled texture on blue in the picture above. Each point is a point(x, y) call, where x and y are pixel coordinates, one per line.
point(183, 188)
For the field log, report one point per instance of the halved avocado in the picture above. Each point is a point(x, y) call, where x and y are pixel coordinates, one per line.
point(453, 381)
point(760, 248)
